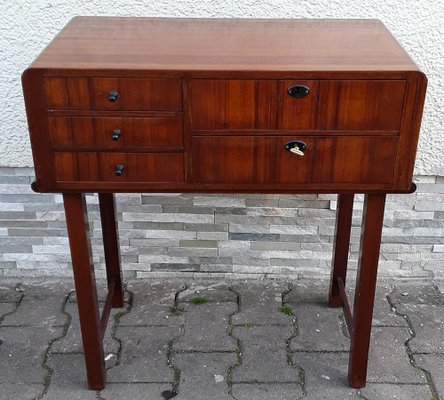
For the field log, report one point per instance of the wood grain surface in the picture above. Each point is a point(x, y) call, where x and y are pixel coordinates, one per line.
point(225, 45)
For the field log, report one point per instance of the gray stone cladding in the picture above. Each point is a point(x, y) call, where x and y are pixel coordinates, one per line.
point(188, 235)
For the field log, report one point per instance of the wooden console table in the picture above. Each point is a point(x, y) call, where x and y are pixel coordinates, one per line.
point(223, 106)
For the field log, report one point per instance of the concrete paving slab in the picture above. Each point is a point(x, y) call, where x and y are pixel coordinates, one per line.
point(6, 308)
point(153, 304)
point(386, 391)
point(261, 304)
point(158, 292)
point(409, 293)
point(206, 327)
point(48, 287)
point(135, 391)
point(434, 364)
point(260, 347)
point(10, 293)
point(22, 391)
point(267, 391)
point(428, 326)
point(305, 292)
point(153, 315)
point(72, 341)
point(263, 337)
point(68, 379)
point(308, 291)
point(383, 313)
point(215, 292)
point(207, 379)
point(269, 366)
point(102, 292)
point(38, 311)
point(388, 358)
point(319, 329)
point(144, 354)
point(325, 375)
point(22, 353)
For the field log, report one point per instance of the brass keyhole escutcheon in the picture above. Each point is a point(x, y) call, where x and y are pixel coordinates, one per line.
point(296, 147)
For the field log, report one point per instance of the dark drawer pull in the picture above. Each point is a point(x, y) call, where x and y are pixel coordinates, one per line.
point(113, 95)
point(116, 134)
point(296, 147)
point(119, 169)
point(298, 91)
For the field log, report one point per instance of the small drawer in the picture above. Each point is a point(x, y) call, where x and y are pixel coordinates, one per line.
point(136, 94)
point(119, 133)
point(334, 159)
point(119, 167)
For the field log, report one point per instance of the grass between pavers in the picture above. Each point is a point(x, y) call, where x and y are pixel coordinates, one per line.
point(176, 311)
point(286, 310)
point(118, 315)
point(199, 300)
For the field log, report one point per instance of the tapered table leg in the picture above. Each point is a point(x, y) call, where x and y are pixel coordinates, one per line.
point(341, 246)
point(79, 242)
point(111, 246)
point(372, 223)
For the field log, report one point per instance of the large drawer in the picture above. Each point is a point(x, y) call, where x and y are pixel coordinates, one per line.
point(117, 133)
point(113, 93)
point(368, 105)
point(105, 167)
point(258, 159)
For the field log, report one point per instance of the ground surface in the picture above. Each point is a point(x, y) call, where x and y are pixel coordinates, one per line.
point(221, 340)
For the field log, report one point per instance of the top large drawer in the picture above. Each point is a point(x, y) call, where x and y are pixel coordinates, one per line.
point(126, 94)
point(341, 105)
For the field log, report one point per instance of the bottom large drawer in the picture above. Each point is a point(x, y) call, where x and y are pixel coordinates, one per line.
point(119, 167)
point(259, 159)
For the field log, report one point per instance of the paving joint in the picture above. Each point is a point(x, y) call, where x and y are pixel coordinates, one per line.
point(238, 347)
point(361, 395)
point(65, 327)
point(256, 382)
point(170, 351)
point(428, 375)
point(300, 373)
point(290, 353)
point(115, 325)
point(16, 303)
point(201, 351)
point(321, 351)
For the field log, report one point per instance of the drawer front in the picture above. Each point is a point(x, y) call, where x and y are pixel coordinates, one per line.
point(113, 93)
point(334, 159)
point(344, 105)
point(372, 105)
point(105, 167)
point(119, 133)
point(221, 104)
point(299, 107)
